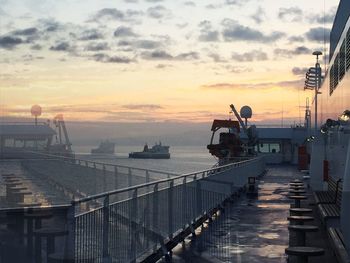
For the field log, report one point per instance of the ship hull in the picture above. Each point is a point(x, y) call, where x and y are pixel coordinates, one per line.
point(143, 155)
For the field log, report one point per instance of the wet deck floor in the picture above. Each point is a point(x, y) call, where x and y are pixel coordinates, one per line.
point(254, 230)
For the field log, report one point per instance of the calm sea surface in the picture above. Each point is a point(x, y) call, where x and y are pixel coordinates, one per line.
point(184, 159)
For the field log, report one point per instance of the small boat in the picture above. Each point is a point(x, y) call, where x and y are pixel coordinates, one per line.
point(105, 147)
point(158, 151)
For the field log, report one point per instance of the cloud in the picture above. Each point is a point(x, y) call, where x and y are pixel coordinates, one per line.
point(26, 32)
point(189, 3)
point(207, 34)
point(235, 2)
point(233, 31)
point(123, 43)
point(301, 50)
point(154, 1)
point(157, 55)
point(115, 14)
point(293, 14)
point(97, 46)
point(162, 66)
point(158, 12)
point(257, 55)
point(318, 34)
point(91, 34)
point(327, 17)
point(187, 56)
point(36, 47)
point(131, 1)
point(163, 55)
point(49, 25)
point(9, 42)
point(61, 46)
point(282, 84)
point(109, 13)
point(150, 107)
point(216, 57)
point(147, 44)
point(299, 71)
point(259, 16)
point(296, 39)
point(104, 58)
point(124, 31)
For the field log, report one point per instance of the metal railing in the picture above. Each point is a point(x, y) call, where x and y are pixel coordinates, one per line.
point(133, 222)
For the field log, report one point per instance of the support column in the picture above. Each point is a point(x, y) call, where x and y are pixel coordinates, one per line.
point(316, 164)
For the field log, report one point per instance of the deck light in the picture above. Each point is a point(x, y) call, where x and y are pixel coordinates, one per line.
point(345, 117)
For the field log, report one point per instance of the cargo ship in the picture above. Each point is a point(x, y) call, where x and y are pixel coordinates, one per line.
point(157, 151)
point(105, 147)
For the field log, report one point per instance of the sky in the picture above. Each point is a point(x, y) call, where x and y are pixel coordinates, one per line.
point(159, 60)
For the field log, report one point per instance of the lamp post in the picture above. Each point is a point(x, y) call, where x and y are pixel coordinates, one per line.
point(318, 82)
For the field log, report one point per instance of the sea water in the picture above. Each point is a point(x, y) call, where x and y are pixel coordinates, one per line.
point(184, 159)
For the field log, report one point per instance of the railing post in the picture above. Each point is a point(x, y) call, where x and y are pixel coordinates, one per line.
point(184, 202)
point(105, 229)
point(129, 181)
point(104, 178)
point(199, 197)
point(155, 211)
point(170, 209)
point(95, 176)
point(115, 177)
point(133, 223)
point(147, 176)
point(70, 245)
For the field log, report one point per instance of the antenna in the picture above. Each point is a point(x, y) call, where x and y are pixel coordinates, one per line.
point(36, 111)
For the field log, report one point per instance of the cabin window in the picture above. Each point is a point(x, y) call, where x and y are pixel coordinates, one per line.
point(331, 81)
point(9, 142)
point(269, 148)
point(342, 62)
point(336, 71)
point(348, 50)
point(19, 143)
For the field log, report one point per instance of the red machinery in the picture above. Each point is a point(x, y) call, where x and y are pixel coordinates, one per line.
point(229, 145)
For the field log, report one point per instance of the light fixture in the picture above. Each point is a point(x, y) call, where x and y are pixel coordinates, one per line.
point(345, 117)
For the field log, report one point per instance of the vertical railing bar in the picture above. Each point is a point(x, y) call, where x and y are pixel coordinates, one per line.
point(170, 209)
point(155, 211)
point(116, 177)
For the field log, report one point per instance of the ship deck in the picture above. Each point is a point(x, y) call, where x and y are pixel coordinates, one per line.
point(255, 230)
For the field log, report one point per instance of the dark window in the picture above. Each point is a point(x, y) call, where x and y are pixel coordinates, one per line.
point(331, 80)
point(348, 50)
point(342, 61)
point(336, 71)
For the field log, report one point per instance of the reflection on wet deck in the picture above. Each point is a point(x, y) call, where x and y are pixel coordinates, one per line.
point(251, 230)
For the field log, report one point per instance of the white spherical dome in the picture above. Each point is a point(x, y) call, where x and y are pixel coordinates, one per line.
point(35, 110)
point(246, 112)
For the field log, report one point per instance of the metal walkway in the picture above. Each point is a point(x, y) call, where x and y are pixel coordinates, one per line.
point(253, 230)
point(142, 221)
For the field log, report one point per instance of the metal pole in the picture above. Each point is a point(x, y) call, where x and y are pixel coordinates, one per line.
point(316, 92)
point(105, 230)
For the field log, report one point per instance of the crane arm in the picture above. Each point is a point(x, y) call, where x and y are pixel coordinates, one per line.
point(239, 119)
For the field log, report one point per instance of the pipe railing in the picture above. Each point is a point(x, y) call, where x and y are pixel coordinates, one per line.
point(145, 216)
point(202, 173)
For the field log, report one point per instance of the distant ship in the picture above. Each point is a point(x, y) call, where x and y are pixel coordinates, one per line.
point(158, 151)
point(105, 147)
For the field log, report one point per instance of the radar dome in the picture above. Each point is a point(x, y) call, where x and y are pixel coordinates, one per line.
point(246, 112)
point(35, 110)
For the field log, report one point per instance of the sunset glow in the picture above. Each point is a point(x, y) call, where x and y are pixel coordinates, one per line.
point(151, 61)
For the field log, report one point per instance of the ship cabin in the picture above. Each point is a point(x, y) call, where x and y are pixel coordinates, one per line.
point(279, 145)
point(18, 140)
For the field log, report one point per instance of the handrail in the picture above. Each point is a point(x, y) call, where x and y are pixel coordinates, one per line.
point(103, 164)
point(118, 191)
